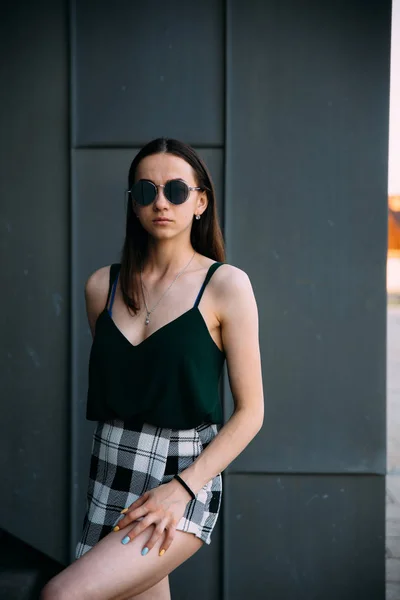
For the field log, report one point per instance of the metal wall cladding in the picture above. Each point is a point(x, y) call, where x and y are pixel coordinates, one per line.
point(34, 218)
point(145, 69)
point(294, 536)
point(288, 104)
point(307, 184)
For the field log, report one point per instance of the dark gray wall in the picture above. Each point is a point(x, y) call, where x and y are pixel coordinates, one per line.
point(315, 193)
point(288, 104)
point(306, 183)
point(34, 317)
point(160, 59)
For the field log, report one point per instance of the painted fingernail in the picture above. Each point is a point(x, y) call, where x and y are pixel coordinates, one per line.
point(126, 539)
point(116, 528)
point(161, 552)
point(145, 551)
point(124, 511)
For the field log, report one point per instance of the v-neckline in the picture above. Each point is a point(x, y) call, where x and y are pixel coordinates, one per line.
point(187, 312)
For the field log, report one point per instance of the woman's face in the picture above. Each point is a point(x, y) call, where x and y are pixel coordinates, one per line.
point(160, 168)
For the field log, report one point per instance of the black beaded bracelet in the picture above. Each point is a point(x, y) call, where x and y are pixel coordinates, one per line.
point(185, 485)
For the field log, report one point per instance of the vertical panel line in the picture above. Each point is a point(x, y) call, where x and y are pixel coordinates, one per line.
point(72, 346)
point(224, 591)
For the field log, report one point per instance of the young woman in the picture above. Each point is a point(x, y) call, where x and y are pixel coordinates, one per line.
point(163, 322)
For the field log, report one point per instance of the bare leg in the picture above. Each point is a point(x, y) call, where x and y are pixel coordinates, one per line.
point(113, 571)
point(160, 591)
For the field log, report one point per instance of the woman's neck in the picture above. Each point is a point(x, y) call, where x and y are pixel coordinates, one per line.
point(167, 257)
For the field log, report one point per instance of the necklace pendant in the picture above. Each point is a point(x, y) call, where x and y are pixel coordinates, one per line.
point(148, 312)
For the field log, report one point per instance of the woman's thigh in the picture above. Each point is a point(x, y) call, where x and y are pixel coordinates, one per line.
point(113, 571)
point(160, 591)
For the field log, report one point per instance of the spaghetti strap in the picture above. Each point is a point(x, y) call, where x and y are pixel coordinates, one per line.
point(210, 272)
point(114, 272)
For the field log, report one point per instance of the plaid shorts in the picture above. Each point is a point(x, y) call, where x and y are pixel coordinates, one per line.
point(128, 461)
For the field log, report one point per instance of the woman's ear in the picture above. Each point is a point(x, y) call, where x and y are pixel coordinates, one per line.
point(202, 202)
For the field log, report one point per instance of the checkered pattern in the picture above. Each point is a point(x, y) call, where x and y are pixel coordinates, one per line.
point(126, 462)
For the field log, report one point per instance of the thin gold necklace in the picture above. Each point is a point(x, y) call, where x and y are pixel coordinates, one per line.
point(148, 312)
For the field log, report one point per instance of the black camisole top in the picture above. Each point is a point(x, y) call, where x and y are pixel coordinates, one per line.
point(171, 379)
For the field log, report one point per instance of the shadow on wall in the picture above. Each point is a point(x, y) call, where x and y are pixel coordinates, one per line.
point(24, 571)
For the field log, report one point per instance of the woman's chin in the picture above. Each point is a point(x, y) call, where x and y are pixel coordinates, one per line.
point(160, 233)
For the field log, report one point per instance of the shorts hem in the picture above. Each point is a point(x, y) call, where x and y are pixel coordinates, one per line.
point(191, 528)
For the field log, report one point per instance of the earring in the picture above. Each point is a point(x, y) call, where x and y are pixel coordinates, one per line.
point(197, 217)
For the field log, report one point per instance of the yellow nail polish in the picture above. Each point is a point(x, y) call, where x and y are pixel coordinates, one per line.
point(124, 511)
point(116, 528)
point(161, 552)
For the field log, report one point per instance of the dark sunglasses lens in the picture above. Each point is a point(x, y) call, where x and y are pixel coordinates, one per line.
point(176, 191)
point(144, 192)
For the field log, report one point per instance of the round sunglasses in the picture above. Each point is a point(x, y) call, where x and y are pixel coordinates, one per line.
point(176, 191)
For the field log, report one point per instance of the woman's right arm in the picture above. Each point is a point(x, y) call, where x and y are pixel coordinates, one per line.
point(96, 290)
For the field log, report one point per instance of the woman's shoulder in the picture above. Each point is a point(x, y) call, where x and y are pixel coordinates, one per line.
point(233, 294)
point(229, 281)
point(230, 274)
point(97, 284)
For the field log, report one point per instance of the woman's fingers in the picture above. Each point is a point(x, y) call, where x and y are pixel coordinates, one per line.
point(131, 515)
point(132, 512)
point(169, 538)
point(157, 533)
point(156, 507)
point(138, 502)
point(141, 526)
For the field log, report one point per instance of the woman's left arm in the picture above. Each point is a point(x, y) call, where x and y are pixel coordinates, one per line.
point(238, 316)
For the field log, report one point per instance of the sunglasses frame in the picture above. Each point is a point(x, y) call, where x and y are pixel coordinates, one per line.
point(190, 188)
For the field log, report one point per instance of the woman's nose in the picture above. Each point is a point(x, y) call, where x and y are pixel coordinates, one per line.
point(160, 199)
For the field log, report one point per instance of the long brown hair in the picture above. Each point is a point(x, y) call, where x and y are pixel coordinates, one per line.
point(206, 236)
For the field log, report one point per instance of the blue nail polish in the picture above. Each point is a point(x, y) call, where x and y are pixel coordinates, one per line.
point(126, 540)
point(145, 551)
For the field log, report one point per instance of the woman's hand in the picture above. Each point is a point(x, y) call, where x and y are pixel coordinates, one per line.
point(162, 506)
